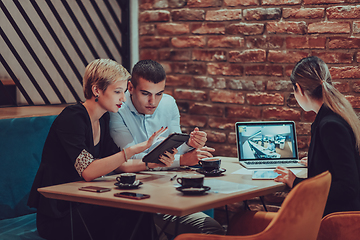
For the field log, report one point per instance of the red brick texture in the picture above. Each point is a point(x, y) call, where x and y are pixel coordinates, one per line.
point(230, 60)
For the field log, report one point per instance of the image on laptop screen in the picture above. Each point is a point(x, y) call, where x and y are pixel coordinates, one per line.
point(266, 140)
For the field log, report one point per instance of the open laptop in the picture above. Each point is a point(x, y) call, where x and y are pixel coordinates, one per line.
point(267, 144)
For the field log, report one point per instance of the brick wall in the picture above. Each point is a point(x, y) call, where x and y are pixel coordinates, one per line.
point(230, 60)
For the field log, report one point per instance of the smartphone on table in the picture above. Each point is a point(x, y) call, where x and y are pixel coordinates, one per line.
point(132, 195)
point(95, 189)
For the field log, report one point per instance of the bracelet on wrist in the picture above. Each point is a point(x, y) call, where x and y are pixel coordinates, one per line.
point(125, 155)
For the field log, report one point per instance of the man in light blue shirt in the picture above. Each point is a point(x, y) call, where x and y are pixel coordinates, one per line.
point(129, 127)
point(147, 109)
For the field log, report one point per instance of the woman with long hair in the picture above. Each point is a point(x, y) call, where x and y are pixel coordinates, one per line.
point(335, 135)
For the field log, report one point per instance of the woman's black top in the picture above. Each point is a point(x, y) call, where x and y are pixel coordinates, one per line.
point(333, 148)
point(68, 150)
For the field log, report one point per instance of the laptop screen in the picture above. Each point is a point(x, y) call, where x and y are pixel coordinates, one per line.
point(266, 140)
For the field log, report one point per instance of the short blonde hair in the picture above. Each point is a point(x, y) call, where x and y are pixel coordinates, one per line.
point(101, 73)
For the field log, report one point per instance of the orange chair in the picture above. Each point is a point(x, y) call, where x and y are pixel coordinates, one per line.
point(340, 226)
point(298, 219)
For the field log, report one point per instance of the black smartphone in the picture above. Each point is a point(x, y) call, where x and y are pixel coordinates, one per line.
point(132, 195)
point(95, 189)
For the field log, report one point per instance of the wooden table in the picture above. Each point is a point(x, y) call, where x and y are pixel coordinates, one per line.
point(165, 198)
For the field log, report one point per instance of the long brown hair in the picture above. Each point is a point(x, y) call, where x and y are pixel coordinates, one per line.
point(313, 75)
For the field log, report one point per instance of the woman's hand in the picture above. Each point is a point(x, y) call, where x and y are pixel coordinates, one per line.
point(167, 159)
point(140, 147)
point(153, 137)
point(286, 176)
point(304, 161)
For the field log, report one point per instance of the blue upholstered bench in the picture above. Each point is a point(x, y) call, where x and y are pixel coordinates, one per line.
point(21, 144)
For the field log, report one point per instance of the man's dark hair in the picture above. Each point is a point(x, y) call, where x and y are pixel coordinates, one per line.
point(150, 70)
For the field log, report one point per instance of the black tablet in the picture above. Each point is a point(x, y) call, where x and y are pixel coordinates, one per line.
point(174, 140)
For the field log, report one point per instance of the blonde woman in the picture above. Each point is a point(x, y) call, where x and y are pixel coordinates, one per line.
point(335, 135)
point(79, 147)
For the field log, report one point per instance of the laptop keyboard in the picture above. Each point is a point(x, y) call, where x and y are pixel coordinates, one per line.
point(271, 162)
